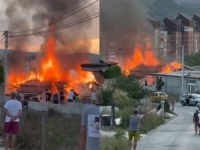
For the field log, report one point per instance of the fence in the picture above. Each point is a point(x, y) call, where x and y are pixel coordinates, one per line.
point(48, 130)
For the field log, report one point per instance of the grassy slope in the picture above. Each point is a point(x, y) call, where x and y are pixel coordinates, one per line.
point(160, 9)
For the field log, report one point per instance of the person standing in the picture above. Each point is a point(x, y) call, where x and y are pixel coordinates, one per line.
point(199, 120)
point(13, 110)
point(187, 99)
point(48, 96)
point(89, 132)
point(134, 129)
point(196, 120)
point(55, 98)
point(62, 97)
point(172, 101)
point(93, 96)
point(71, 95)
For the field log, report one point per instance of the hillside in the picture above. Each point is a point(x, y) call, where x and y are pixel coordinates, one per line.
point(159, 9)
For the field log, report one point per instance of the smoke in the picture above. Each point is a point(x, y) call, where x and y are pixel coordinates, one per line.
point(125, 22)
point(25, 15)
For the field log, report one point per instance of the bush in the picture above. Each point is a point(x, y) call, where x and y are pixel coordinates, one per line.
point(112, 72)
point(60, 132)
point(106, 96)
point(112, 143)
point(150, 122)
point(130, 85)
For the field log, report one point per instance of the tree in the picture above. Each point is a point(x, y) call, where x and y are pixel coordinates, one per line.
point(192, 59)
point(1, 74)
point(112, 72)
point(130, 85)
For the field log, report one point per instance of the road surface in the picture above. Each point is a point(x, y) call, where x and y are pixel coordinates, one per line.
point(177, 134)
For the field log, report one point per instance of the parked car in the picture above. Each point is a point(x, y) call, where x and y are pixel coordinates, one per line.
point(194, 99)
point(30, 97)
point(159, 96)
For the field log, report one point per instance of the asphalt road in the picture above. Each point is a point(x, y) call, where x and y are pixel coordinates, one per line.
point(177, 134)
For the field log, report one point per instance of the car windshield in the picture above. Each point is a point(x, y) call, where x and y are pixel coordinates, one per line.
point(163, 94)
point(196, 96)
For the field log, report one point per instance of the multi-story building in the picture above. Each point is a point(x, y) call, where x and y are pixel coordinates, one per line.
point(107, 47)
point(188, 32)
point(160, 38)
point(174, 30)
point(196, 35)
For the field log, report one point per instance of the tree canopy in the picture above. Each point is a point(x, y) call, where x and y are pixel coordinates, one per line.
point(192, 59)
point(112, 72)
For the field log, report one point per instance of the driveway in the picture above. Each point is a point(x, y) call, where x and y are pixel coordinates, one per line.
point(177, 134)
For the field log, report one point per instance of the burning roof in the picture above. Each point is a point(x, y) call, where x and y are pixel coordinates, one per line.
point(49, 73)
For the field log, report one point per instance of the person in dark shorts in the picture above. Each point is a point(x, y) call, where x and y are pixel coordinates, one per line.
point(89, 132)
point(187, 99)
point(62, 97)
point(48, 96)
point(55, 97)
point(134, 129)
point(196, 120)
point(13, 110)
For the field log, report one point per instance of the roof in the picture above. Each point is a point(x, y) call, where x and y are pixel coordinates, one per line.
point(99, 64)
point(35, 86)
point(187, 74)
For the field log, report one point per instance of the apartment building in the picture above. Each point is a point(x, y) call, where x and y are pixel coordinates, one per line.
point(160, 39)
point(108, 47)
point(196, 35)
point(174, 30)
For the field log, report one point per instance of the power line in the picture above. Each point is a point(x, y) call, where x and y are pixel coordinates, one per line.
point(2, 39)
point(62, 18)
point(60, 27)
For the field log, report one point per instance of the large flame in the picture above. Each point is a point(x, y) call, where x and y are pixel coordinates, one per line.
point(144, 56)
point(50, 71)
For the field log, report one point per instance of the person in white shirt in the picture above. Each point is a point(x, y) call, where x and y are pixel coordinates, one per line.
point(93, 96)
point(71, 95)
point(13, 110)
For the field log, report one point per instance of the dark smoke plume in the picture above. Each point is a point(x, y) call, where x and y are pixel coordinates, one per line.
point(124, 21)
point(29, 14)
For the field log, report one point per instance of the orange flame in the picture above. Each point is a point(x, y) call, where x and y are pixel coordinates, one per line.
point(50, 71)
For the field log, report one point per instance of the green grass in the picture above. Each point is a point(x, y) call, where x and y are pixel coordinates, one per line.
point(112, 143)
point(150, 122)
point(60, 132)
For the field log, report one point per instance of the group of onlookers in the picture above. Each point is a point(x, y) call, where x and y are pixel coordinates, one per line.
point(72, 96)
point(56, 97)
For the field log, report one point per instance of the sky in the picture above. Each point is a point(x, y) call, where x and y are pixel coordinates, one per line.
point(34, 43)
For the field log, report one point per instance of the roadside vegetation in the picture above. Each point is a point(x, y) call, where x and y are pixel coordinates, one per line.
point(125, 93)
point(55, 131)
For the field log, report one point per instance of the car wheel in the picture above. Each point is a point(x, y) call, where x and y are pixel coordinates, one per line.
point(196, 104)
point(183, 103)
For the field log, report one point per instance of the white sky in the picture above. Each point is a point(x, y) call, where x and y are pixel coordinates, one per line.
point(93, 32)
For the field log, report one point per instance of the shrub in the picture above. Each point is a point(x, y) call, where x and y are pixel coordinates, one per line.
point(113, 143)
point(150, 122)
point(106, 96)
point(59, 131)
point(112, 72)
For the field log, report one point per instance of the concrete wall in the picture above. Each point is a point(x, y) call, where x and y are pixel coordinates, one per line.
point(173, 84)
point(70, 108)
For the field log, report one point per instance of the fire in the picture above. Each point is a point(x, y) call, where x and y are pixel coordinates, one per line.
point(144, 56)
point(50, 71)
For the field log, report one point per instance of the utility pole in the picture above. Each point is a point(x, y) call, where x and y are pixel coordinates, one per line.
point(5, 64)
point(121, 59)
point(182, 79)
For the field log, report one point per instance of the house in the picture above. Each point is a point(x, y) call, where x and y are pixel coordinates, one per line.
point(98, 69)
point(173, 81)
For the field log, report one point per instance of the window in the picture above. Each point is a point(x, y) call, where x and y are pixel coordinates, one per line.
point(191, 88)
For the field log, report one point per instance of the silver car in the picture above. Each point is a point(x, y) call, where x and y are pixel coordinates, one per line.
point(194, 99)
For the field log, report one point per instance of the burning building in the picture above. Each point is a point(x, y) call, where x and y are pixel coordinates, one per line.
point(50, 74)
